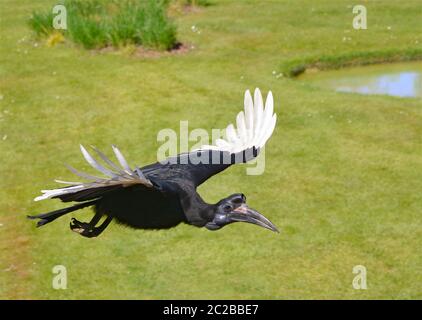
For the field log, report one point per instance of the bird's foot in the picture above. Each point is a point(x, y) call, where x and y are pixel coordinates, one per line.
point(83, 228)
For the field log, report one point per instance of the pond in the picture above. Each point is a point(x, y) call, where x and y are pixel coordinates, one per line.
point(398, 79)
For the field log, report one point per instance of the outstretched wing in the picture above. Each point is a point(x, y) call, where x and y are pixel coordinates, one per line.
point(255, 126)
point(93, 187)
point(242, 143)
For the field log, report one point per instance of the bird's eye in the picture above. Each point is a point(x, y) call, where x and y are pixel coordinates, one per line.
point(238, 200)
point(227, 208)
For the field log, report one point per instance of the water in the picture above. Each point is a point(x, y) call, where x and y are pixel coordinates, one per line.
point(399, 80)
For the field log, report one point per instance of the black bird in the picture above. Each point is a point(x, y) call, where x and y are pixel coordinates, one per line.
point(163, 194)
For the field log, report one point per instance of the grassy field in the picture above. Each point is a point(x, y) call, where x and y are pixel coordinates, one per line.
point(343, 178)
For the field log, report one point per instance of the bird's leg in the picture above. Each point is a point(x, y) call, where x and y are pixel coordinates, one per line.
point(98, 230)
point(88, 229)
point(78, 226)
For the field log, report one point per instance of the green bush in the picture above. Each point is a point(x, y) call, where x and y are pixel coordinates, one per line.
point(41, 23)
point(102, 23)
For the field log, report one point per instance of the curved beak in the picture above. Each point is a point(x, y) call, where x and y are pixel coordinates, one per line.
point(246, 214)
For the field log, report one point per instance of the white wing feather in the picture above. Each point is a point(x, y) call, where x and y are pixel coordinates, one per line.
point(254, 125)
point(124, 176)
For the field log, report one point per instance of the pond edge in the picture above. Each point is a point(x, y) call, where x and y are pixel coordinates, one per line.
point(294, 67)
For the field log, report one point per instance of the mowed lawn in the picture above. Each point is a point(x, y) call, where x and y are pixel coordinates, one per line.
point(343, 176)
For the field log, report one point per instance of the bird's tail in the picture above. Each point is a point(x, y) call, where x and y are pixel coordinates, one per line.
point(53, 215)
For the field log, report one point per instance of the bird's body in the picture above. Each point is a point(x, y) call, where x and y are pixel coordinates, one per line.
point(160, 207)
point(142, 209)
point(163, 194)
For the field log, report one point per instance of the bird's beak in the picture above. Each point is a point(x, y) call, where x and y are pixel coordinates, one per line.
point(245, 214)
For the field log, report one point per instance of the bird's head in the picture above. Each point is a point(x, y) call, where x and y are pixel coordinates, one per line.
point(234, 209)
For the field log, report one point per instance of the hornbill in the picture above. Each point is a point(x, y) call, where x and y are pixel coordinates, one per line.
point(163, 194)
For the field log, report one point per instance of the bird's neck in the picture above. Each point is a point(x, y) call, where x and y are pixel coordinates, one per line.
point(197, 211)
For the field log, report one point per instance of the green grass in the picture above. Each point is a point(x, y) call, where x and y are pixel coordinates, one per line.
point(103, 23)
point(343, 178)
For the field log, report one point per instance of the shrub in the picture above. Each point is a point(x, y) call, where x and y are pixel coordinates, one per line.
point(102, 23)
point(41, 23)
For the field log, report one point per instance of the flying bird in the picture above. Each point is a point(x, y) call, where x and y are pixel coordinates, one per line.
point(163, 194)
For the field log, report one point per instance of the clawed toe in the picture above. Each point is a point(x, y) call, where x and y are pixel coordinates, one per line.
point(89, 230)
point(75, 224)
point(84, 229)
